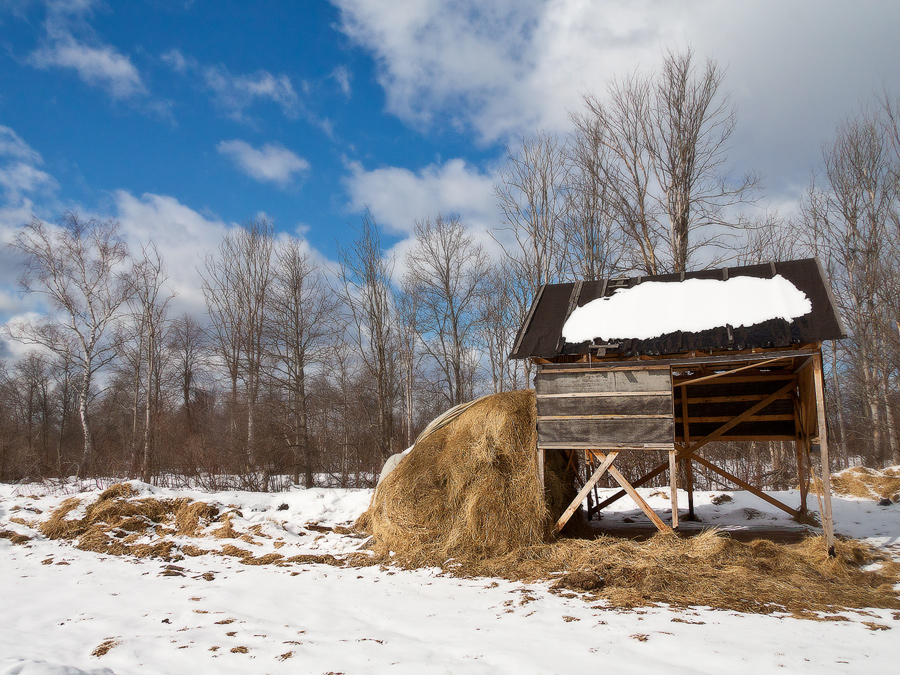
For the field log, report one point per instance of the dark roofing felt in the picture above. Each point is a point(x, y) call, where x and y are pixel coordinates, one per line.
point(541, 332)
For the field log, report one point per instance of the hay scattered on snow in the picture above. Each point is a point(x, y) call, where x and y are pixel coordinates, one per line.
point(861, 481)
point(115, 522)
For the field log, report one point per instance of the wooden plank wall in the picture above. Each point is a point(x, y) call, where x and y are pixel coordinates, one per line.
point(615, 408)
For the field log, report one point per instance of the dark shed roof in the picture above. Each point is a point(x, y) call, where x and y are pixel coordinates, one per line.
point(541, 333)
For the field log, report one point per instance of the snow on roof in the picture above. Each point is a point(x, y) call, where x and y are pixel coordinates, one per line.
point(656, 308)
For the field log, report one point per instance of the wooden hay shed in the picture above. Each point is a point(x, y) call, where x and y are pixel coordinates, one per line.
point(700, 380)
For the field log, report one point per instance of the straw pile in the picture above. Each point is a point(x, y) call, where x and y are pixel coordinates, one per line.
point(469, 490)
point(861, 481)
point(119, 525)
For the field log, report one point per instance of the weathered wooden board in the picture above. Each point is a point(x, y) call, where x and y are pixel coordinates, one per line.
point(605, 432)
point(606, 405)
point(586, 381)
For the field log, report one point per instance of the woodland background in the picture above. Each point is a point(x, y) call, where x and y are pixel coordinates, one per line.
point(302, 373)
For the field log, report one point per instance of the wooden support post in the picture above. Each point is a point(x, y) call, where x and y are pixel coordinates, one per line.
point(827, 520)
point(689, 474)
point(802, 445)
point(540, 460)
point(606, 464)
point(673, 472)
point(688, 467)
point(645, 507)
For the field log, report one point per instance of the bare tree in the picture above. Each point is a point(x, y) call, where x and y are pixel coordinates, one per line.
point(532, 196)
point(498, 323)
point(188, 348)
point(150, 312)
point(594, 252)
point(77, 267)
point(445, 271)
point(236, 285)
point(410, 354)
point(302, 326)
point(364, 286)
point(620, 161)
point(666, 138)
point(849, 221)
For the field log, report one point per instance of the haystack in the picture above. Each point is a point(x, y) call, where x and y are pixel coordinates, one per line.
point(470, 489)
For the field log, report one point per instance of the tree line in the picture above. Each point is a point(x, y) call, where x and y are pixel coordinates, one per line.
point(300, 374)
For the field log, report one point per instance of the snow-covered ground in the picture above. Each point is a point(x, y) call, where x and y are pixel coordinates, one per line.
point(65, 611)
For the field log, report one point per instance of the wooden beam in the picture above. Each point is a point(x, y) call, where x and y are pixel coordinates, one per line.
point(740, 379)
point(612, 394)
point(597, 475)
point(684, 383)
point(673, 469)
point(540, 460)
point(607, 446)
point(746, 398)
point(802, 471)
point(746, 486)
point(644, 506)
point(827, 520)
point(550, 418)
point(688, 468)
point(752, 418)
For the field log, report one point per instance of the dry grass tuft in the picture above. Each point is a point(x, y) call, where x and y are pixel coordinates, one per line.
point(469, 489)
point(266, 559)
point(326, 559)
point(103, 648)
point(14, 537)
point(226, 531)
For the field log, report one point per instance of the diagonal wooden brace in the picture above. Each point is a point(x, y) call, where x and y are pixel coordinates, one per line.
point(644, 506)
point(598, 474)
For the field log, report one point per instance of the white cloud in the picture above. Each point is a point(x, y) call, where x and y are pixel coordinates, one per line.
point(19, 174)
point(342, 76)
point(102, 66)
point(397, 197)
point(505, 68)
point(501, 67)
point(183, 236)
point(12, 145)
point(272, 163)
point(235, 93)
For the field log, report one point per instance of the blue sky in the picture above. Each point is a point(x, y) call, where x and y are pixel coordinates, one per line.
point(180, 119)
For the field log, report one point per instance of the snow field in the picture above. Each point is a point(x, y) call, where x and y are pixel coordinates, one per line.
point(60, 604)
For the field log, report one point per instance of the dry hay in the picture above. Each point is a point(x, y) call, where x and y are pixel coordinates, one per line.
point(114, 522)
point(14, 537)
point(470, 489)
point(861, 481)
point(708, 570)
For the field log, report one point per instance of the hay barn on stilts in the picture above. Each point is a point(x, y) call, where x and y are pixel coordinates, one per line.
point(735, 361)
